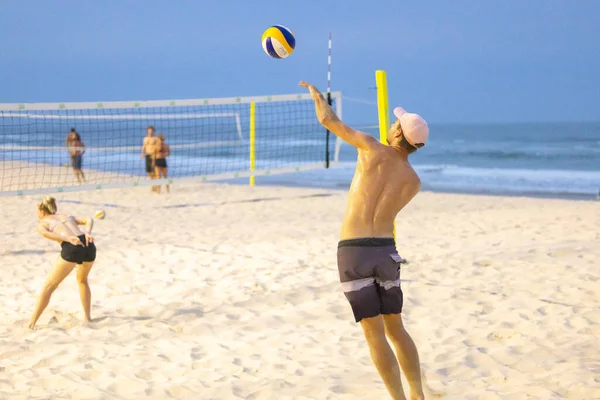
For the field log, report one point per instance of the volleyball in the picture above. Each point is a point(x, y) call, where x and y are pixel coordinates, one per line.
point(278, 41)
point(100, 214)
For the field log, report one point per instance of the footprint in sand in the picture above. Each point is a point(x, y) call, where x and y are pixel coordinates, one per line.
point(91, 374)
point(145, 374)
point(499, 335)
point(296, 299)
point(180, 392)
point(338, 310)
point(482, 263)
point(486, 307)
point(124, 386)
point(542, 311)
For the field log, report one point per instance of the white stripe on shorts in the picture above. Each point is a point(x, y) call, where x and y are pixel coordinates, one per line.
point(387, 285)
point(356, 285)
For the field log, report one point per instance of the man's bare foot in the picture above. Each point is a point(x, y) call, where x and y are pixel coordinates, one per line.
point(32, 326)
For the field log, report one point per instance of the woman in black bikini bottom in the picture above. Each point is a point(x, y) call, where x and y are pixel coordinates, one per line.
point(77, 248)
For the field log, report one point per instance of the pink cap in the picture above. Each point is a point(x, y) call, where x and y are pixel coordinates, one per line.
point(414, 128)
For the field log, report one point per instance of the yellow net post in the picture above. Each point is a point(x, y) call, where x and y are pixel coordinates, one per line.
point(383, 110)
point(252, 141)
point(382, 105)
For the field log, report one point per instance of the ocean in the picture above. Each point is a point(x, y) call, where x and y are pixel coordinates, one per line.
point(532, 159)
point(536, 159)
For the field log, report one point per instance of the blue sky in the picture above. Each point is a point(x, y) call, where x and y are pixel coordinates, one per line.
point(449, 60)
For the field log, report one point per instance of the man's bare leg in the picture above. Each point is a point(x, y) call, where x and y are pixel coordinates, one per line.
point(383, 356)
point(77, 176)
point(152, 176)
point(157, 175)
point(408, 357)
point(164, 176)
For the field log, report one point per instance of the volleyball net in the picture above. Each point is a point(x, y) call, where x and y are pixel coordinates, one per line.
point(209, 139)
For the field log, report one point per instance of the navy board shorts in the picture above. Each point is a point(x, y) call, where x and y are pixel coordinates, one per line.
point(369, 271)
point(76, 161)
point(149, 164)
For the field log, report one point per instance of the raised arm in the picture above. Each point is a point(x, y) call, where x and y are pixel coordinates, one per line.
point(330, 120)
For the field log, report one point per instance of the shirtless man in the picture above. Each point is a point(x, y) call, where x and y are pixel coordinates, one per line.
point(76, 150)
point(368, 262)
point(148, 153)
point(161, 152)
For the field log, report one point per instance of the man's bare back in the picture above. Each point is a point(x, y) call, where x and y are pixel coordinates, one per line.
point(384, 182)
point(368, 262)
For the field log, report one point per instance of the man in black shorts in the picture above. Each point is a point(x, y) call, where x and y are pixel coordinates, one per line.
point(76, 150)
point(368, 263)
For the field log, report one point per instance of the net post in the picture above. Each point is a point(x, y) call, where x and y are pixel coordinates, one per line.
point(327, 135)
point(382, 105)
point(328, 99)
point(252, 142)
point(383, 111)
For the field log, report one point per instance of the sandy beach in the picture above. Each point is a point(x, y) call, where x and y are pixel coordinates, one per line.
point(19, 175)
point(231, 292)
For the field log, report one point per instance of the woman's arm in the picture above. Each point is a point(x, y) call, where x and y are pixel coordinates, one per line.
point(87, 221)
point(43, 230)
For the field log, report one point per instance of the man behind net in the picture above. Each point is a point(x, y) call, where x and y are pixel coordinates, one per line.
point(148, 145)
point(368, 262)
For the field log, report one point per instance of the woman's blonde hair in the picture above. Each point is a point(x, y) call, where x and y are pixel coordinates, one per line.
point(48, 205)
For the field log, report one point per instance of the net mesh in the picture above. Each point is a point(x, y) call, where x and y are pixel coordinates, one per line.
point(205, 140)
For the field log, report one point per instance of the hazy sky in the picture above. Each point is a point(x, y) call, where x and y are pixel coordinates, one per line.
point(450, 60)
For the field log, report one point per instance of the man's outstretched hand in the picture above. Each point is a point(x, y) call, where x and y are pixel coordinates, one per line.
point(325, 114)
point(332, 122)
point(314, 92)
